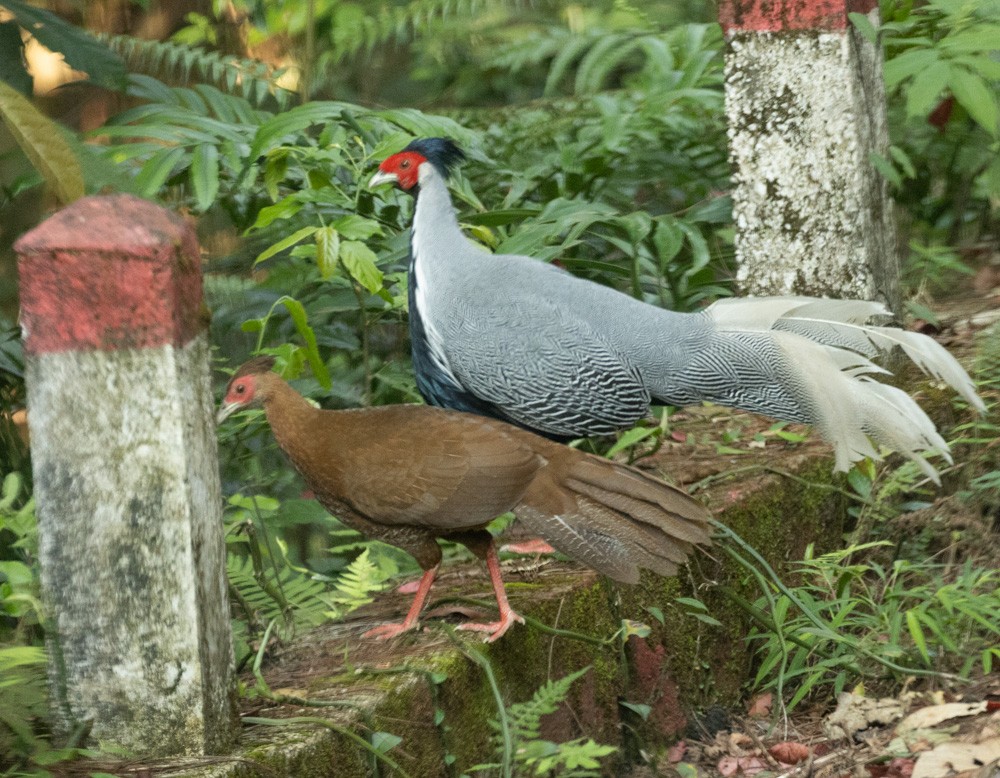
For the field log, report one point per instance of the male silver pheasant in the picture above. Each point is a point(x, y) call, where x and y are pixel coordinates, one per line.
point(524, 341)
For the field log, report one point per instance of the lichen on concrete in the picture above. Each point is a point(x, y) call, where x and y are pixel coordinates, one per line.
point(812, 213)
point(129, 517)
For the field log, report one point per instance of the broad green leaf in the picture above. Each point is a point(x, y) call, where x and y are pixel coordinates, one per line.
point(282, 209)
point(291, 122)
point(156, 170)
point(926, 88)
point(298, 314)
point(700, 254)
point(174, 134)
point(980, 38)
point(668, 238)
point(864, 26)
point(354, 227)
point(327, 250)
point(360, 263)
point(716, 210)
point(12, 67)
point(385, 741)
point(424, 125)
point(984, 66)
point(43, 144)
point(976, 97)
point(500, 218)
point(205, 175)
point(285, 243)
point(902, 159)
point(907, 64)
point(691, 604)
point(638, 708)
point(885, 168)
point(274, 171)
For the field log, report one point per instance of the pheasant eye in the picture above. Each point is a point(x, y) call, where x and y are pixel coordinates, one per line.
point(404, 163)
point(240, 388)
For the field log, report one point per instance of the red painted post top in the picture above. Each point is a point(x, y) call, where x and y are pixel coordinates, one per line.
point(107, 273)
point(780, 15)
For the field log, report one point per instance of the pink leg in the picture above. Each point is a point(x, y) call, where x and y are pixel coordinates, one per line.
point(507, 615)
point(398, 628)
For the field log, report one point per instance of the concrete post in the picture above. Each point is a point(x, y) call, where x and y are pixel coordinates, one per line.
point(126, 478)
point(806, 107)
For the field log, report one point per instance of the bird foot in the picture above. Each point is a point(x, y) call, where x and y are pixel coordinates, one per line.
point(495, 628)
point(387, 631)
point(534, 546)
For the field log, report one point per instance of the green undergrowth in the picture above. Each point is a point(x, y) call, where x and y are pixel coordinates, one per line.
point(913, 593)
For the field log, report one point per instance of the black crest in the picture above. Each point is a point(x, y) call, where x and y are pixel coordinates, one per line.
point(442, 153)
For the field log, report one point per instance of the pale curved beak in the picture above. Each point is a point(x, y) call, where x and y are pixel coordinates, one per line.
point(225, 411)
point(382, 178)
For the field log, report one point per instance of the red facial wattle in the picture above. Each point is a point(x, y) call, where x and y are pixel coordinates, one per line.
point(404, 167)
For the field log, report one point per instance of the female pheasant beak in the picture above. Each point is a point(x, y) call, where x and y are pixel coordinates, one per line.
point(383, 177)
point(226, 410)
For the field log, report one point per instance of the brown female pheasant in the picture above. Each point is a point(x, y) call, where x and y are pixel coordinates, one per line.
point(409, 474)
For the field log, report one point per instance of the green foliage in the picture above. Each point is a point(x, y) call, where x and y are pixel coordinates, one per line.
point(81, 50)
point(23, 698)
point(23, 701)
point(533, 755)
point(941, 73)
point(270, 587)
point(914, 614)
point(250, 79)
point(944, 48)
point(42, 144)
point(18, 567)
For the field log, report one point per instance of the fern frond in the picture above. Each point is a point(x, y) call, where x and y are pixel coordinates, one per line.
point(356, 584)
point(308, 599)
point(177, 63)
point(355, 30)
point(526, 717)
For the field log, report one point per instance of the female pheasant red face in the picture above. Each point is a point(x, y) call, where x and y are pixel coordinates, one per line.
point(240, 394)
point(400, 169)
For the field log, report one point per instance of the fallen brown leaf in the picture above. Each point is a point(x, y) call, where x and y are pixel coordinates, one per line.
point(855, 713)
point(933, 715)
point(789, 752)
point(760, 706)
point(954, 756)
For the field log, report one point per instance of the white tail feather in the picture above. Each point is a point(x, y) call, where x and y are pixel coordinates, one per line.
point(831, 346)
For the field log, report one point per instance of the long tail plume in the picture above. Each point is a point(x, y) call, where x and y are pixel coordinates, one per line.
point(613, 518)
point(829, 345)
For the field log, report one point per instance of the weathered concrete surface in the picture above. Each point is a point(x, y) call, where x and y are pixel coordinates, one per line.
point(806, 111)
point(681, 667)
point(126, 479)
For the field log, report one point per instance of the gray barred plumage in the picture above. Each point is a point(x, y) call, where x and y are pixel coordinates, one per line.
point(567, 357)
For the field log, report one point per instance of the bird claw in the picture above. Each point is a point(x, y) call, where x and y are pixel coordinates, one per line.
point(495, 628)
point(387, 631)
